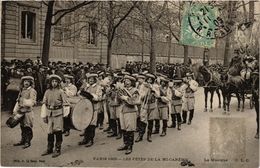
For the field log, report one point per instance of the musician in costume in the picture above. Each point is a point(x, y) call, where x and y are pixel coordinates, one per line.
point(176, 103)
point(115, 108)
point(129, 96)
point(70, 91)
point(148, 107)
point(54, 101)
point(24, 108)
point(117, 77)
point(102, 83)
point(142, 90)
point(96, 91)
point(190, 87)
point(164, 100)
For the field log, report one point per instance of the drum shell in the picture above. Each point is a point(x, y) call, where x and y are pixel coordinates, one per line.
point(12, 122)
point(81, 114)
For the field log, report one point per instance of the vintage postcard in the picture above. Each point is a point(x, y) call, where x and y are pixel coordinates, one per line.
point(130, 83)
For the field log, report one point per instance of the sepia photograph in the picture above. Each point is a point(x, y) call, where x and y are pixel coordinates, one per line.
point(129, 83)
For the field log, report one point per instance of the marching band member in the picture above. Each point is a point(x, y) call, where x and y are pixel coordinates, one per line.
point(142, 90)
point(115, 108)
point(190, 87)
point(163, 105)
point(96, 91)
point(114, 121)
point(24, 106)
point(101, 82)
point(54, 100)
point(70, 90)
point(129, 95)
point(148, 108)
point(176, 103)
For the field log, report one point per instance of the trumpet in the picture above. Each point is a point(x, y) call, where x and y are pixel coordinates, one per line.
point(123, 92)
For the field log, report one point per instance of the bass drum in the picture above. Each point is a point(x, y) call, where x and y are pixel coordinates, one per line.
point(82, 114)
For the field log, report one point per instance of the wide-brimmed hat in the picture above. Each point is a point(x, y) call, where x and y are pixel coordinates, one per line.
point(53, 76)
point(163, 77)
point(92, 75)
point(150, 75)
point(129, 77)
point(177, 80)
point(68, 76)
point(142, 76)
point(27, 78)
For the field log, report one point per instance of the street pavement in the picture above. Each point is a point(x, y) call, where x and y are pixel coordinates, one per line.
point(212, 140)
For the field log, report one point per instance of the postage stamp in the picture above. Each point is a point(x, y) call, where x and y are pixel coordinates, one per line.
point(201, 25)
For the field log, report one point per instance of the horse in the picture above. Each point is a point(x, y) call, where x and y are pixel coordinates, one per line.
point(231, 84)
point(239, 78)
point(211, 84)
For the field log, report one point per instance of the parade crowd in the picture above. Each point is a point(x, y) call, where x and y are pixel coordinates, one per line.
point(134, 99)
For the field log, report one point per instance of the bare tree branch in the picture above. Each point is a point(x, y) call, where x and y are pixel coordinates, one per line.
point(44, 3)
point(122, 19)
point(66, 11)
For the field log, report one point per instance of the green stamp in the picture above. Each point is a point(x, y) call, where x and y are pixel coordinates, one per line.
point(201, 25)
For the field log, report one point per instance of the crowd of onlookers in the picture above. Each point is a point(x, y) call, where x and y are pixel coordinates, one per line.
point(13, 70)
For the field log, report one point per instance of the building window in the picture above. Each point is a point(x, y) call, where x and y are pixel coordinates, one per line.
point(28, 25)
point(92, 33)
point(63, 31)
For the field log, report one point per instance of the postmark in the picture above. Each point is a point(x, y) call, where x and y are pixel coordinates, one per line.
point(206, 22)
point(191, 35)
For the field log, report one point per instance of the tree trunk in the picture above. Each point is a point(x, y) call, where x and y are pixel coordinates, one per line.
point(47, 34)
point(152, 51)
point(143, 41)
point(226, 54)
point(109, 53)
point(251, 11)
point(186, 54)
point(227, 46)
point(109, 33)
point(169, 47)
